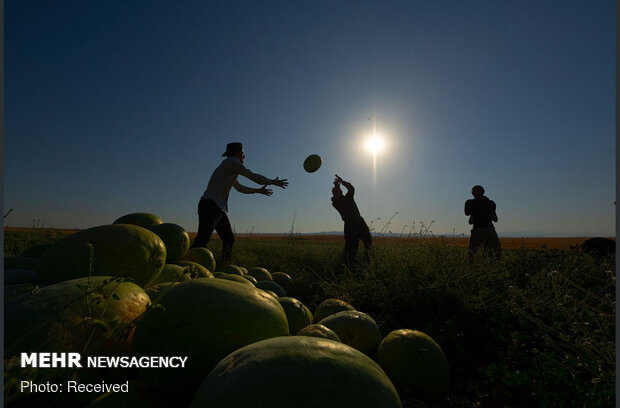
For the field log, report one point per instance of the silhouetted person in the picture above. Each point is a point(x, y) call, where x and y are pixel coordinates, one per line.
point(355, 227)
point(482, 212)
point(213, 204)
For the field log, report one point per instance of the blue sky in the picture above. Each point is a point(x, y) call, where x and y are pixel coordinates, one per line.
point(126, 106)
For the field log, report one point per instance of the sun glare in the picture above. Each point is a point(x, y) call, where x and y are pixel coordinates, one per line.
point(375, 144)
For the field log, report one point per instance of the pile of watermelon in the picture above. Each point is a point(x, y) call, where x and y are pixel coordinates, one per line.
point(134, 287)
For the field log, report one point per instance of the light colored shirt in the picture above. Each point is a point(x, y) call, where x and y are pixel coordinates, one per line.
point(225, 177)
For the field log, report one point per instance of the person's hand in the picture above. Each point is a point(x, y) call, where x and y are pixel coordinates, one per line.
point(265, 191)
point(280, 183)
point(339, 179)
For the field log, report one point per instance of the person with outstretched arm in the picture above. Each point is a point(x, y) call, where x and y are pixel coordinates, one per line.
point(213, 205)
point(482, 213)
point(355, 228)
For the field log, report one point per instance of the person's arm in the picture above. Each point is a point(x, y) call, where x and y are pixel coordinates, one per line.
point(467, 208)
point(494, 217)
point(259, 179)
point(349, 186)
point(249, 190)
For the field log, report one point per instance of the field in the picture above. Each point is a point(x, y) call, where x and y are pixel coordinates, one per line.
point(507, 243)
point(536, 328)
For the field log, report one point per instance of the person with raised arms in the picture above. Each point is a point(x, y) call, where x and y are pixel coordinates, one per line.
point(213, 205)
point(355, 228)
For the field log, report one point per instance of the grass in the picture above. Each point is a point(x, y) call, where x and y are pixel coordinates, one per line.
point(15, 241)
point(536, 328)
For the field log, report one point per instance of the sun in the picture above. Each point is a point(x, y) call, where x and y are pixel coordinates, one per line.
point(375, 144)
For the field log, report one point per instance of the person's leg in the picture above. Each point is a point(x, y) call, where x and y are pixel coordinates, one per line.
point(474, 243)
point(351, 241)
point(484, 243)
point(488, 241)
point(208, 216)
point(495, 246)
point(366, 238)
point(365, 235)
point(225, 232)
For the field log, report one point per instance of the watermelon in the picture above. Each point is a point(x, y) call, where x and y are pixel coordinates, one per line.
point(259, 273)
point(599, 246)
point(201, 256)
point(271, 286)
point(296, 371)
point(18, 289)
point(21, 262)
point(298, 315)
point(156, 291)
point(144, 220)
point(312, 163)
point(329, 307)
point(415, 363)
point(318, 330)
point(283, 280)
point(114, 250)
point(175, 239)
point(235, 278)
point(271, 293)
point(356, 329)
point(205, 320)
point(251, 279)
point(58, 318)
point(195, 270)
point(20, 276)
point(170, 273)
point(233, 269)
point(35, 251)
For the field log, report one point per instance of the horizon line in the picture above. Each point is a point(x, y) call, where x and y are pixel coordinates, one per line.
point(507, 234)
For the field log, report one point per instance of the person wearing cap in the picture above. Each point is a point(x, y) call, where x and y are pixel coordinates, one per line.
point(482, 213)
point(355, 228)
point(213, 205)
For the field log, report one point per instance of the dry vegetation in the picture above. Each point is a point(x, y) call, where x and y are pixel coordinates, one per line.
point(536, 328)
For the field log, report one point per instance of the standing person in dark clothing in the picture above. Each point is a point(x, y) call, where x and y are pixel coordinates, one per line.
point(213, 204)
point(482, 214)
point(355, 227)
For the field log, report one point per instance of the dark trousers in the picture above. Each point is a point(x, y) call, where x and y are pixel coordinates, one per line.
point(211, 217)
point(487, 239)
point(353, 232)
